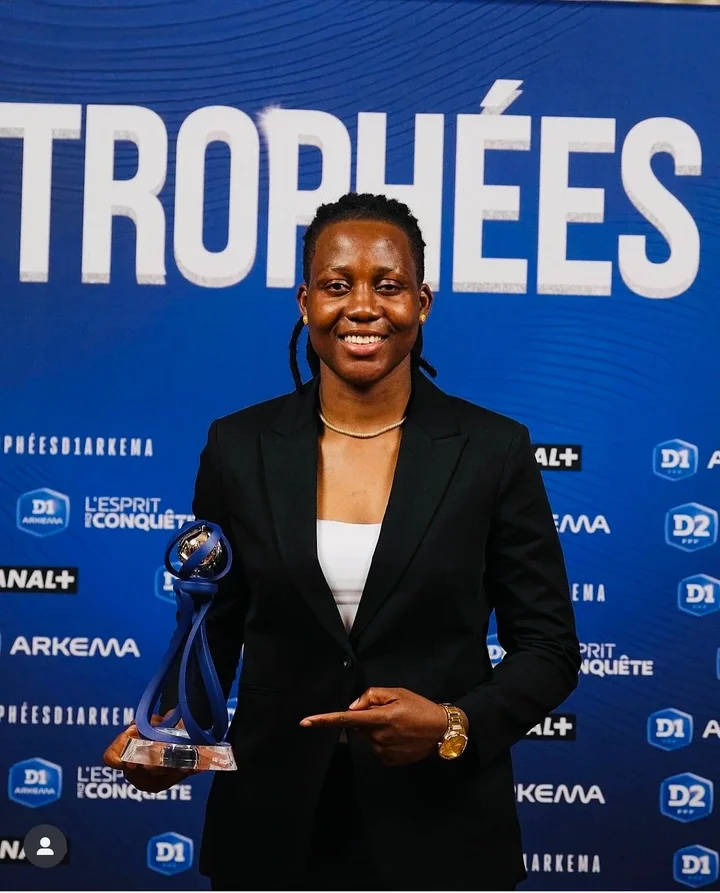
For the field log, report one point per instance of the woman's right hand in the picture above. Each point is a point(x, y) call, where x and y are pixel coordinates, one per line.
point(151, 779)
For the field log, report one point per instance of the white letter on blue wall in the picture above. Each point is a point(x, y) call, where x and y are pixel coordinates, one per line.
point(37, 124)
point(561, 204)
point(216, 269)
point(477, 201)
point(671, 277)
point(135, 197)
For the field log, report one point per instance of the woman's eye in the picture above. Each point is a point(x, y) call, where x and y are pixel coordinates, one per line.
point(389, 287)
point(336, 286)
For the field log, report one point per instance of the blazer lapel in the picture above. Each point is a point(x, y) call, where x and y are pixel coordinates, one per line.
point(290, 459)
point(430, 448)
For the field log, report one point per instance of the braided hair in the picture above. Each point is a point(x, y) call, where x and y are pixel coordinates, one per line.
point(359, 206)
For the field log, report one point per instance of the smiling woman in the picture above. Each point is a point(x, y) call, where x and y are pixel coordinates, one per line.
point(375, 522)
point(389, 266)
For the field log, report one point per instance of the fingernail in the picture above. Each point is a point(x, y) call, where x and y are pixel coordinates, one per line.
point(354, 703)
point(305, 722)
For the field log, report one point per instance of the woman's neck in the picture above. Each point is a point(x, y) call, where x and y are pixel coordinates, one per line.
point(368, 407)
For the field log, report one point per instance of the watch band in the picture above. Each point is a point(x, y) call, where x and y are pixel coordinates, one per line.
point(455, 721)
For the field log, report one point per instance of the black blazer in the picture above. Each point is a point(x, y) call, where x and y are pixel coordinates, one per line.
point(468, 529)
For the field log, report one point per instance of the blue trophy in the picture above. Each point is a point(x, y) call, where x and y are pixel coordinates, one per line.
point(198, 556)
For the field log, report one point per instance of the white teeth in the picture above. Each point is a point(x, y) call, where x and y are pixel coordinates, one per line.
point(362, 339)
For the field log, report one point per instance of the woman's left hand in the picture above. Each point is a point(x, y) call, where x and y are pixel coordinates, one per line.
point(402, 726)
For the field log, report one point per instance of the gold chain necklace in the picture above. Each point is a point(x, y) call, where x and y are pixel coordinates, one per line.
point(361, 434)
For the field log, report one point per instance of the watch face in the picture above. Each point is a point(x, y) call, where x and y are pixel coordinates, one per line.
point(453, 746)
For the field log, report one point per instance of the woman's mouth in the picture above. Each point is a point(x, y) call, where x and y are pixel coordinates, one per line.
point(362, 345)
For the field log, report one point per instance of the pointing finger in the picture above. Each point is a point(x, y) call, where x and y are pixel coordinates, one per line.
point(373, 717)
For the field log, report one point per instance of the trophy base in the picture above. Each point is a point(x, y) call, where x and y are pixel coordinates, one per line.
point(183, 755)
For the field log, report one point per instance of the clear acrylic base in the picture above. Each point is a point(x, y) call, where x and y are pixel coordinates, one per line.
point(183, 755)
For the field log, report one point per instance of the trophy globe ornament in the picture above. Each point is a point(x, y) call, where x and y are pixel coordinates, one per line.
point(198, 556)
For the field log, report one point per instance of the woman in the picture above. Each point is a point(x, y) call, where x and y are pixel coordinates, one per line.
point(375, 522)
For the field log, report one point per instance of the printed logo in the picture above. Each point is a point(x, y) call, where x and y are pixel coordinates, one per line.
point(695, 866)
point(691, 527)
point(63, 445)
point(670, 729)
point(557, 727)
point(581, 524)
point(699, 595)
point(675, 459)
point(164, 586)
point(599, 659)
point(104, 783)
point(558, 456)
point(12, 851)
point(562, 863)
point(49, 580)
point(169, 853)
point(587, 592)
point(34, 782)
point(712, 729)
point(73, 646)
point(561, 793)
point(231, 708)
point(131, 513)
point(686, 797)
point(43, 512)
point(495, 650)
point(54, 715)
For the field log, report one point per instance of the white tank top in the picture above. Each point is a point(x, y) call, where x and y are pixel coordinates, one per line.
point(345, 552)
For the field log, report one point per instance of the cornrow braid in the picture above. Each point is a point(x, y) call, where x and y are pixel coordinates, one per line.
point(359, 206)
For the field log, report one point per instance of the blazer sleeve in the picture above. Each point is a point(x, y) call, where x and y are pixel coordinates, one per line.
point(225, 619)
point(526, 583)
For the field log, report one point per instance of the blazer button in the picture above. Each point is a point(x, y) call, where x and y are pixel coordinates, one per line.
point(347, 663)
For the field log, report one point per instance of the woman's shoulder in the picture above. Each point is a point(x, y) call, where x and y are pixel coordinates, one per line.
point(478, 420)
point(252, 418)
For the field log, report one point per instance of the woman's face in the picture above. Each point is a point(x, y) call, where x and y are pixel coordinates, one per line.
point(363, 300)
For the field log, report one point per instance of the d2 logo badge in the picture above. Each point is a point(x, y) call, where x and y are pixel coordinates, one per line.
point(675, 459)
point(169, 853)
point(691, 527)
point(686, 797)
point(43, 512)
point(670, 729)
point(34, 782)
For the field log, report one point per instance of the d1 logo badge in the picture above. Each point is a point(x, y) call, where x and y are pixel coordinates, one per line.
point(495, 650)
point(675, 459)
point(699, 595)
point(169, 853)
point(34, 782)
point(695, 866)
point(686, 797)
point(164, 586)
point(43, 512)
point(670, 729)
point(691, 527)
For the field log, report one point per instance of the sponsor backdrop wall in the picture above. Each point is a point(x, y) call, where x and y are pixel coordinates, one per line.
point(157, 165)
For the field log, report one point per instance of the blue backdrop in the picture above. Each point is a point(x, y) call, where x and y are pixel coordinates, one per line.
point(127, 326)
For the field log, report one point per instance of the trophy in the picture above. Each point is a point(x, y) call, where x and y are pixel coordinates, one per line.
point(198, 556)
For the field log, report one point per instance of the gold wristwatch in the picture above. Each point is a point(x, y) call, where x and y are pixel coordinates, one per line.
point(455, 739)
